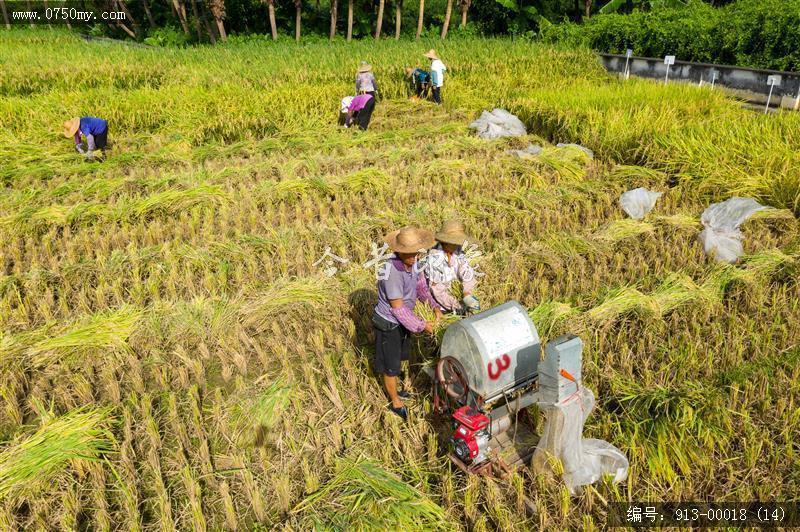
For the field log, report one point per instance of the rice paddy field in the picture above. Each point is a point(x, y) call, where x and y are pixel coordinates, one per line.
point(173, 356)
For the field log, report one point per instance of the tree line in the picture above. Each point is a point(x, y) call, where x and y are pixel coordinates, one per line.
point(212, 20)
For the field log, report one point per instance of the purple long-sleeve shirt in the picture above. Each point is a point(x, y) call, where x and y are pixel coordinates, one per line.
point(399, 283)
point(359, 102)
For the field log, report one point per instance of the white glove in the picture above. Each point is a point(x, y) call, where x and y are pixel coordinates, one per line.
point(471, 302)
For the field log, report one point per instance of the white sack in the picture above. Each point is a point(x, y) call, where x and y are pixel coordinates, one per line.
point(531, 151)
point(585, 150)
point(638, 202)
point(585, 461)
point(721, 237)
point(498, 123)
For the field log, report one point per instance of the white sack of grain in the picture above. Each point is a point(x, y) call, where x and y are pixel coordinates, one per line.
point(497, 124)
point(585, 460)
point(638, 202)
point(721, 237)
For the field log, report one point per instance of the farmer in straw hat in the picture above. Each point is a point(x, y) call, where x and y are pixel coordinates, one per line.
point(94, 129)
point(400, 285)
point(446, 263)
point(365, 80)
point(437, 75)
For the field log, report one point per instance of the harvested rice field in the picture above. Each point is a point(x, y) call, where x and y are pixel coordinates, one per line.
point(174, 356)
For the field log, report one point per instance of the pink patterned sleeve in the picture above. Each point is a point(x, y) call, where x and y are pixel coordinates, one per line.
point(444, 297)
point(408, 319)
point(467, 276)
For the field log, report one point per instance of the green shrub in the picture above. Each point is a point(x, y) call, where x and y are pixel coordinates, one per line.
point(754, 33)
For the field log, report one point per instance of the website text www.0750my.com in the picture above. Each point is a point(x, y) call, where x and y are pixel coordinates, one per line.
point(55, 15)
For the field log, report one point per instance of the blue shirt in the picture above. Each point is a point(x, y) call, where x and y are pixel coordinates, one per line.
point(91, 125)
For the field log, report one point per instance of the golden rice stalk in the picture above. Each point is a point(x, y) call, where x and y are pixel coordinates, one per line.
point(683, 222)
point(35, 462)
point(620, 230)
point(284, 295)
point(617, 303)
point(549, 314)
point(252, 412)
point(676, 290)
point(637, 174)
point(765, 264)
point(363, 495)
point(107, 330)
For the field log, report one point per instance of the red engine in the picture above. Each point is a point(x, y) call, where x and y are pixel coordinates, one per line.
point(471, 438)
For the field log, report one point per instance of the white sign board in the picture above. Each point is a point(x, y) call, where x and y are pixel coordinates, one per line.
point(669, 60)
point(628, 53)
point(775, 80)
point(504, 332)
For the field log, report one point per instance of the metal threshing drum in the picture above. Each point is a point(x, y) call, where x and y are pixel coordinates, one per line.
point(498, 349)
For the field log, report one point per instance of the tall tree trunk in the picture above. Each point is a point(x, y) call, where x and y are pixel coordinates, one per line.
point(588, 5)
point(180, 11)
point(421, 15)
point(198, 26)
point(447, 14)
point(46, 6)
point(29, 8)
point(272, 27)
point(349, 20)
point(149, 14)
point(122, 7)
point(204, 20)
point(218, 10)
point(5, 14)
point(380, 19)
point(334, 14)
point(298, 5)
point(464, 8)
point(398, 17)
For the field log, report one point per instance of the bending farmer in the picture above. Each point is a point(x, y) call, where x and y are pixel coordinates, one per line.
point(400, 285)
point(437, 75)
point(94, 129)
point(447, 263)
point(419, 81)
point(360, 111)
point(365, 80)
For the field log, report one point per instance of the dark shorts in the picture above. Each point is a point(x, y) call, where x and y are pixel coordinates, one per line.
point(101, 140)
point(391, 347)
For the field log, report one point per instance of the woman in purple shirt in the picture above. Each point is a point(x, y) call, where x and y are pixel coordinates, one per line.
point(94, 129)
point(360, 111)
point(400, 286)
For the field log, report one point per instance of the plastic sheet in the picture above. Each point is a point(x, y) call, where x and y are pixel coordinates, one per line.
point(638, 202)
point(721, 237)
point(585, 461)
point(497, 124)
point(585, 150)
point(531, 151)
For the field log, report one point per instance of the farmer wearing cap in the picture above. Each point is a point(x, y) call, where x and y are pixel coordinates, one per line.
point(446, 263)
point(94, 129)
point(400, 286)
point(360, 111)
point(365, 80)
point(437, 75)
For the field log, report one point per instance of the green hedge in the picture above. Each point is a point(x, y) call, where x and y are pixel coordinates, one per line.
point(754, 33)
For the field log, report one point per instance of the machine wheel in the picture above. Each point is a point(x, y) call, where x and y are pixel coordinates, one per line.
point(451, 375)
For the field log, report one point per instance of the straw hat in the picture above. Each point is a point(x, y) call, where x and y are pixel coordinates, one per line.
point(364, 67)
point(71, 127)
point(452, 232)
point(431, 54)
point(409, 239)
